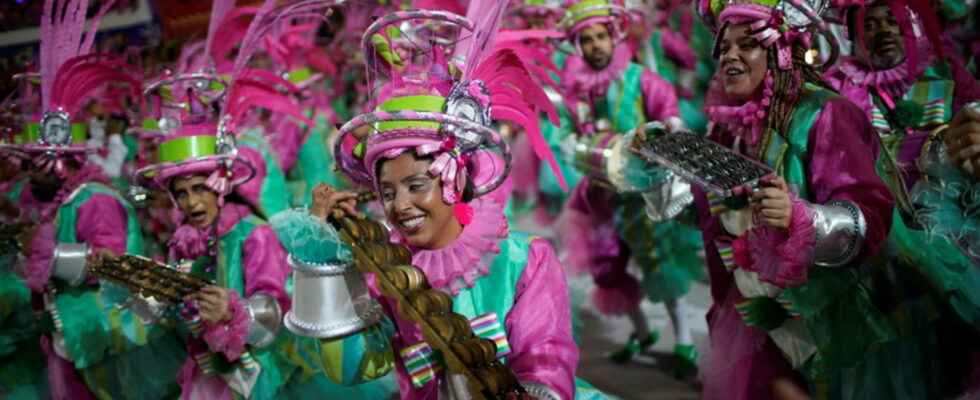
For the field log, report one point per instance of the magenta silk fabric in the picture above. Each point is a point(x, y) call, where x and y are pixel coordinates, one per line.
point(101, 223)
point(539, 323)
point(840, 166)
point(265, 271)
point(595, 243)
point(595, 246)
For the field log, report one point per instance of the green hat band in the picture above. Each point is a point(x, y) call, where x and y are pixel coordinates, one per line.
point(413, 103)
point(187, 147)
point(300, 75)
point(150, 124)
point(32, 133)
point(588, 9)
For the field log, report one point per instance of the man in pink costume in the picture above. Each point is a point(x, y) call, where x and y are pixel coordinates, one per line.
point(611, 96)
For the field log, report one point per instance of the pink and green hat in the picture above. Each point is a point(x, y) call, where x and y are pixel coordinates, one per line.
point(439, 98)
point(580, 14)
point(779, 23)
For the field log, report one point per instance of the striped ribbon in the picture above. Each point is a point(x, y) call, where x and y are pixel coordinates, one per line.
point(488, 326)
point(726, 252)
point(203, 361)
point(878, 120)
point(716, 204)
point(422, 363)
point(934, 112)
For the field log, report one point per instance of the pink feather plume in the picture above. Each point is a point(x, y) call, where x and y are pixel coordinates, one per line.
point(63, 36)
point(260, 88)
point(516, 97)
point(487, 16)
point(80, 76)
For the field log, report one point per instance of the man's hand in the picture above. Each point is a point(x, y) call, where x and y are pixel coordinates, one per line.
point(963, 139)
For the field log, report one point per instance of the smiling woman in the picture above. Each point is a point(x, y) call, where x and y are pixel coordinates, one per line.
point(413, 203)
point(431, 155)
point(799, 234)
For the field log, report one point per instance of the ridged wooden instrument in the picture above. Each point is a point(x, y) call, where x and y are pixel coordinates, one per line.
point(148, 278)
point(443, 330)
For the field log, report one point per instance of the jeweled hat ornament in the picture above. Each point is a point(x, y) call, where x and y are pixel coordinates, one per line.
point(440, 97)
point(70, 75)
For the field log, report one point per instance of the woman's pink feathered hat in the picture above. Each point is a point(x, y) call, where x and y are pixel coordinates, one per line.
point(783, 24)
point(438, 88)
point(193, 140)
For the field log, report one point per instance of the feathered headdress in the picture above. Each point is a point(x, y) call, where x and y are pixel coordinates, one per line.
point(781, 23)
point(195, 140)
point(438, 92)
point(70, 75)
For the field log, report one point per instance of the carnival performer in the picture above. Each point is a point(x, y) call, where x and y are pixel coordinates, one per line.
point(611, 96)
point(91, 339)
point(790, 301)
point(432, 160)
point(910, 92)
point(235, 347)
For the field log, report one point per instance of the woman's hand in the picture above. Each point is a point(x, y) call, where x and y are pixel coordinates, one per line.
point(963, 139)
point(326, 199)
point(97, 256)
point(771, 203)
point(212, 302)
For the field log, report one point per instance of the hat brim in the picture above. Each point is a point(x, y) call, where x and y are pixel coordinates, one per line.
point(360, 170)
point(158, 176)
point(30, 150)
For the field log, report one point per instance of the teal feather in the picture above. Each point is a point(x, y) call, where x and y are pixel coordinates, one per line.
point(308, 238)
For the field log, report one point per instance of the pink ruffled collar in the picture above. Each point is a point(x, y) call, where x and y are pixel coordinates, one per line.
point(189, 242)
point(746, 120)
point(579, 77)
point(896, 80)
point(459, 265)
point(861, 74)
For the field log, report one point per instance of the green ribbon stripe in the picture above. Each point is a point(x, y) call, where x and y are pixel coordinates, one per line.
point(32, 133)
point(187, 147)
point(580, 10)
point(414, 103)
